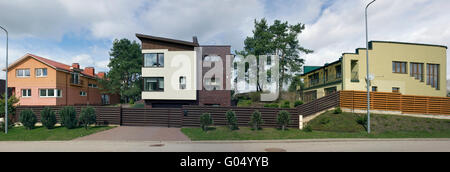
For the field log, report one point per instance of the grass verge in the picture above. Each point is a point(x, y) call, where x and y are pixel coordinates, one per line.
point(330, 125)
point(43, 134)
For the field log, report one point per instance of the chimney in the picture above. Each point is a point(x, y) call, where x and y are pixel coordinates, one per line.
point(195, 40)
point(101, 74)
point(76, 65)
point(89, 70)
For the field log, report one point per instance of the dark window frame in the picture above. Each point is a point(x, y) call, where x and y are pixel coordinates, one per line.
point(399, 67)
point(158, 64)
point(158, 89)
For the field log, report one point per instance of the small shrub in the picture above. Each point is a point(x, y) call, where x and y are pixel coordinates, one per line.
point(298, 103)
point(271, 105)
point(308, 129)
point(68, 117)
point(362, 120)
point(232, 120)
point(286, 104)
point(131, 102)
point(325, 121)
point(48, 118)
point(10, 125)
point(28, 119)
point(87, 117)
point(338, 110)
point(284, 119)
point(256, 120)
point(205, 121)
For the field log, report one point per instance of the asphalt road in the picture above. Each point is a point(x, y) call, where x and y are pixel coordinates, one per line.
point(340, 145)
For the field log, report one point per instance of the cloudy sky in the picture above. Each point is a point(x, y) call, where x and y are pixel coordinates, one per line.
point(83, 30)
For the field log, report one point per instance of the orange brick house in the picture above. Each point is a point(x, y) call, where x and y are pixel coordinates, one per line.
point(38, 81)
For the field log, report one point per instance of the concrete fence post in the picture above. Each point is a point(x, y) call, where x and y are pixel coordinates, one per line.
point(300, 122)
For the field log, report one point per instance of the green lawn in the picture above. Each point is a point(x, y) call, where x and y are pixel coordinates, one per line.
point(331, 125)
point(43, 134)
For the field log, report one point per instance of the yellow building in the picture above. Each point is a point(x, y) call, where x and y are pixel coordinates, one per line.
point(407, 68)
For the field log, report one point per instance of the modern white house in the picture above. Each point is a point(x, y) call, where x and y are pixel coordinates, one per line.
point(173, 73)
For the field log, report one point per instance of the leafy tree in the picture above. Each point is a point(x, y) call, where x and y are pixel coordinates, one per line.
point(48, 118)
point(278, 39)
point(284, 119)
point(205, 121)
point(256, 120)
point(87, 117)
point(232, 120)
point(12, 100)
point(125, 65)
point(28, 119)
point(295, 83)
point(68, 117)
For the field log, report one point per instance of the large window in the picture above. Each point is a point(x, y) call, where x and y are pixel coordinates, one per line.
point(23, 73)
point(50, 93)
point(154, 60)
point(154, 84)
point(41, 72)
point(26, 92)
point(399, 67)
point(417, 71)
point(433, 75)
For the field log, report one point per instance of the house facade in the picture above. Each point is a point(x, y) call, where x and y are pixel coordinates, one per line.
point(406, 68)
point(39, 81)
point(173, 72)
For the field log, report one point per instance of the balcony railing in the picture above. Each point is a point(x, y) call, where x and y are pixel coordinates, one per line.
point(323, 81)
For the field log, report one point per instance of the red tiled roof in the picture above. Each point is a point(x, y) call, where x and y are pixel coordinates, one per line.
point(58, 65)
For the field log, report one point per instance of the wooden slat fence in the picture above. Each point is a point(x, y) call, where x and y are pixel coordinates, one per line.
point(243, 114)
point(396, 102)
point(319, 105)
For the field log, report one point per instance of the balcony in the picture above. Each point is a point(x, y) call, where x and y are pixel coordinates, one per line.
point(76, 83)
point(332, 79)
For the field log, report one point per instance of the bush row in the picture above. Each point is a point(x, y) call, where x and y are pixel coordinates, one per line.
point(67, 115)
point(256, 121)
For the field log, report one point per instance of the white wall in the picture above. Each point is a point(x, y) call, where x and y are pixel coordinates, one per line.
point(176, 64)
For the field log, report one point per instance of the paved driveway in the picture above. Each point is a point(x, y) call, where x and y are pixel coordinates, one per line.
point(127, 133)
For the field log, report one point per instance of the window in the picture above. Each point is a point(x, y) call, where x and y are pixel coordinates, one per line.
point(182, 82)
point(154, 84)
point(154, 60)
point(269, 61)
point(338, 72)
point(23, 73)
point(374, 89)
point(41, 72)
point(399, 67)
point(26, 92)
point(213, 58)
point(433, 75)
point(395, 90)
point(92, 85)
point(75, 78)
point(355, 69)
point(83, 93)
point(50, 93)
point(105, 99)
point(417, 71)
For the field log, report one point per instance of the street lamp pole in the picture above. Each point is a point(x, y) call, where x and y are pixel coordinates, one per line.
point(6, 84)
point(368, 75)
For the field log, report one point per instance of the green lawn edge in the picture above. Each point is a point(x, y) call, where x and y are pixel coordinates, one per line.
point(56, 134)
